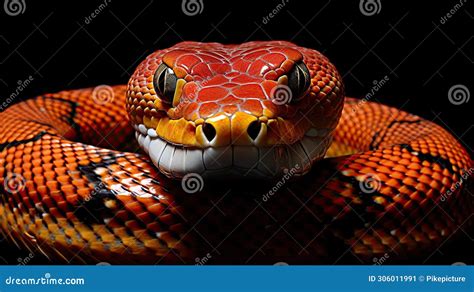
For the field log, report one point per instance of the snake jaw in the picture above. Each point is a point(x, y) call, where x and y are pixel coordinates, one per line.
point(244, 160)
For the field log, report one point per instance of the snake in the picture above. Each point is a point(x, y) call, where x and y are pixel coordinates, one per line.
point(237, 154)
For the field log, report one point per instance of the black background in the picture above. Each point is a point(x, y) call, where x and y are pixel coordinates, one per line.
point(421, 56)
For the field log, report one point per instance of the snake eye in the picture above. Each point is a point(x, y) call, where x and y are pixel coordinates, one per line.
point(299, 81)
point(165, 83)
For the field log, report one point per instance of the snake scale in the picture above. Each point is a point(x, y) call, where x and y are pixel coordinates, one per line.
point(290, 170)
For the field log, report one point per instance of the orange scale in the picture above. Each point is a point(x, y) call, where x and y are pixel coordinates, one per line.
point(241, 65)
point(208, 109)
point(249, 90)
point(271, 75)
point(216, 80)
point(144, 217)
point(230, 109)
point(274, 59)
point(209, 59)
point(71, 197)
point(58, 163)
point(212, 93)
point(187, 61)
point(154, 226)
point(63, 179)
point(170, 57)
point(435, 185)
point(220, 68)
point(84, 192)
point(280, 71)
point(166, 218)
point(188, 110)
point(258, 67)
point(50, 175)
point(267, 86)
point(254, 55)
point(230, 85)
point(289, 53)
point(201, 70)
point(232, 74)
point(287, 65)
point(245, 78)
point(231, 99)
point(133, 225)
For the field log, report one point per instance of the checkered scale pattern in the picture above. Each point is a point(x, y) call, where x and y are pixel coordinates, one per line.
point(400, 187)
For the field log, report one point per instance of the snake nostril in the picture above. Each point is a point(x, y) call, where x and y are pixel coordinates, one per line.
point(209, 131)
point(254, 129)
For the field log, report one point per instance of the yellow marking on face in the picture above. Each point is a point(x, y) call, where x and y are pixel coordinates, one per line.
point(222, 125)
point(240, 124)
point(179, 90)
point(150, 122)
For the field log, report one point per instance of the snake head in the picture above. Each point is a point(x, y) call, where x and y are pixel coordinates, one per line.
point(257, 109)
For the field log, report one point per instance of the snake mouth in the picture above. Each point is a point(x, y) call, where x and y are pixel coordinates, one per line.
point(236, 161)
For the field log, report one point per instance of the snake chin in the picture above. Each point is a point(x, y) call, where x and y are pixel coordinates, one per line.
point(252, 162)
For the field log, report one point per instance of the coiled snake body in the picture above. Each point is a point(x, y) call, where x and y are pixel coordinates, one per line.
point(262, 114)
